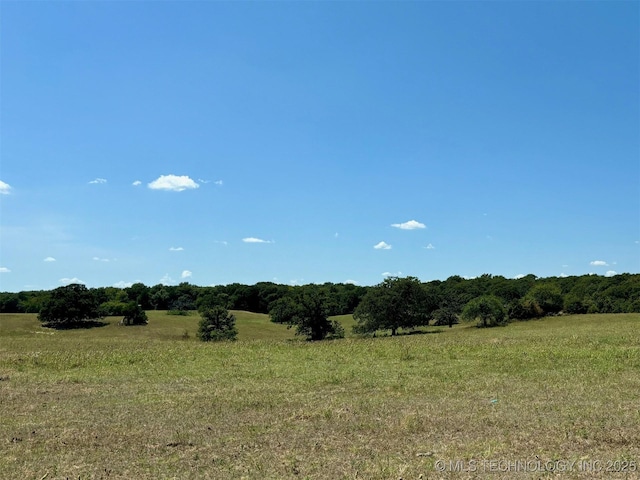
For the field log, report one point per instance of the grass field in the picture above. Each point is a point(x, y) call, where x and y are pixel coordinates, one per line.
point(154, 403)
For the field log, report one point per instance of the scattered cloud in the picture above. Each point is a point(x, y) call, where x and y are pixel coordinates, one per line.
point(296, 281)
point(563, 275)
point(519, 276)
point(122, 284)
point(5, 188)
point(4, 270)
point(49, 259)
point(410, 225)
point(137, 183)
point(599, 263)
point(352, 282)
point(176, 249)
point(382, 246)
point(430, 247)
point(218, 182)
point(186, 274)
point(173, 183)
point(204, 181)
point(610, 273)
point(69, 281)
point(98, 181)
point(390, 274)
point(98, 259)
point(565, 266)
point(255, 240)
point(167, 280)
point(221, 242)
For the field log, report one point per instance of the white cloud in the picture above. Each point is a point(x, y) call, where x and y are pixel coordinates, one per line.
point(98, 180)
point(599, 263)
point(218, 182)
point(410, 225)
point(167, 280)
point(136, 183)
point(173, 183)
point(610, 273)
point(519, 276)
point(176, 249)
point(122, 284)
point(186, 274)
point(430, 247)
point(69, 281)
point(5, 188)
point(255, 240)
point(49, 259)
point(389, 274)
point(98, 259)
point(352, 282)
point(563, 275)
point(4, 270)
point(382, 246)
point(221, 242)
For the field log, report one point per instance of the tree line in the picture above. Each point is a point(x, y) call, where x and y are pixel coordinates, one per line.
point(526, 297)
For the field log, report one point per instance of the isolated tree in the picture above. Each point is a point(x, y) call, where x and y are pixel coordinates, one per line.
point(134, 314)
point(216, 324)
point(73, 306)
point(307, 311)
point(395, 303)
point(487, 310)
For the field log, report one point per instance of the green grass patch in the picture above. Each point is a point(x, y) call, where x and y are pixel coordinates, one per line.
point(151, 402)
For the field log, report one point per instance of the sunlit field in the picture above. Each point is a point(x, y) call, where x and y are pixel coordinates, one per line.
point(550, 398)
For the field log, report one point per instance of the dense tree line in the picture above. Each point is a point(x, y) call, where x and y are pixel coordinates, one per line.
point(523, 298)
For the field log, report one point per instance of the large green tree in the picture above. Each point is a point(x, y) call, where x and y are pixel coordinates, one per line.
point(73, 306)
point(393, 304)
point(487, 310)
point(307, 311)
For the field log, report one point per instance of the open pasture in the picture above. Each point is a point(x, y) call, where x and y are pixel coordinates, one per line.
point(152, 402)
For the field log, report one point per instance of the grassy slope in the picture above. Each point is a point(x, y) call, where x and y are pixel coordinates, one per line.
point(140, 402)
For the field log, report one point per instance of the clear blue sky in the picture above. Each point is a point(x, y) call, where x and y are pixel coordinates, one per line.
point(304, 142)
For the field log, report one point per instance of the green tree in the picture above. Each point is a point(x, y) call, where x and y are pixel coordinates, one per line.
point(487, 310)
point(134, 314)
point(216, 324)
point(73, 306)
point(547, 296)
point(307, 311)
point(395, 303)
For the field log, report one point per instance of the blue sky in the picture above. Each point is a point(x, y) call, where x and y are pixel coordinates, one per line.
point(305, 142)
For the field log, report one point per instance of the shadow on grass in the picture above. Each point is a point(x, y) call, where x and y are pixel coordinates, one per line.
point(76, 325)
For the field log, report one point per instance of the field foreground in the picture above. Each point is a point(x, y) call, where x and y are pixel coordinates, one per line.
point(555, 398)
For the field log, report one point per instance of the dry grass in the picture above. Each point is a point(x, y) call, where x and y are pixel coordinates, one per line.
point(140, 402)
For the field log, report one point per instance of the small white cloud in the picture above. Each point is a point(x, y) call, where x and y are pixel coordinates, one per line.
point(410, 225)
point(5, 188)
point(430, 247)
point(565, 266)
point(519, 276)
point(610, 273)
point(173, 183)
point(204, 181)
point(382, 246)
point(389, 274)
point(218, 182)
point(4, 270)
point(122, 284)
point(255, 240)
point(98, 181)
point(352, 282)
point(176, 249)
point(221, 242)
point(296, 281)
point(563, 275)
point(599, 263)
point(69, 281)
point(98, 259)
point(186, 274)
point(137, 183)
point(49, 259)
point(167, 280)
